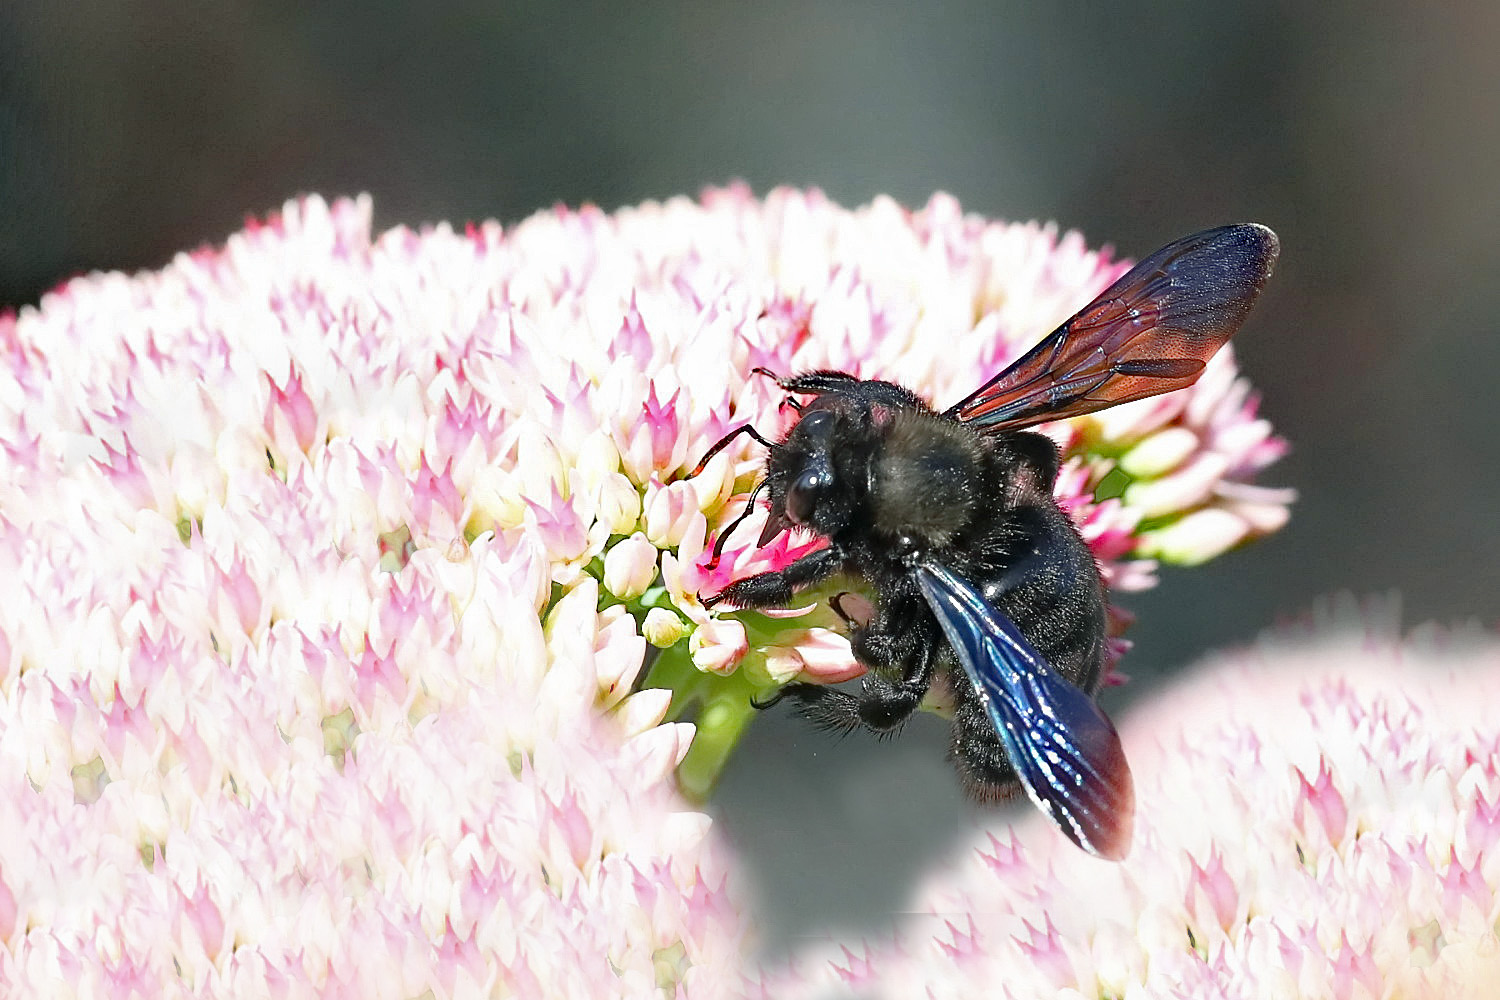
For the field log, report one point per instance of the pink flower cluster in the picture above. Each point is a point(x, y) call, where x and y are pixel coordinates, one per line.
point(940, 301)
point(332, 560)
point(303, 688)
point(1320, 820)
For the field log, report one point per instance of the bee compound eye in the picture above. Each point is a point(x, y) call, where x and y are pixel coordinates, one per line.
point(816, 423)
point(802, 496)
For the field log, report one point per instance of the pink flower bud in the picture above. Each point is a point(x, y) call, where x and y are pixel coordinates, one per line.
point(669, 510)
point(818, 655)
point(630, 567)
point(718, 646)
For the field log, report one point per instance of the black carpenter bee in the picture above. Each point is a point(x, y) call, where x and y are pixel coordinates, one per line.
point(950, 518)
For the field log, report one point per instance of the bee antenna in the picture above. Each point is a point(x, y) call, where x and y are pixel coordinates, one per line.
point(768, 373)
point(724, 535)
point(723, 443)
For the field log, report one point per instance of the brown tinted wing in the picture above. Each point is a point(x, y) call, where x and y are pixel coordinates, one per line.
point(1148, 333)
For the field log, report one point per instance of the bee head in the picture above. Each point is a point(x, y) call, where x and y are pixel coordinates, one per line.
point(810, 484)
point(814, 476)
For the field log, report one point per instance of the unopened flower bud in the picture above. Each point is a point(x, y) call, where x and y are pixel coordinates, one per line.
point(669, 510)
point(662, 628)
point(629, 567)
point(1196, 538)
point(1160, 453)
point(597, 459)
point(619, 504)
point(1184, 489)
point(718, 646)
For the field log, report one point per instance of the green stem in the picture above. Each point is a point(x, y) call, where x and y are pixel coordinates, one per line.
point(723, 711)
point(721, 721)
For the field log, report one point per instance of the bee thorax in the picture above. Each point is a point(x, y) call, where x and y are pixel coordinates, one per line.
point(922, 482)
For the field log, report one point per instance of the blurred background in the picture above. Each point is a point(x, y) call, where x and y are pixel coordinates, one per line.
point(1366, 134)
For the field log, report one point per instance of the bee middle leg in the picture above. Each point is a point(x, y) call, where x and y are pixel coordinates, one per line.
point(881, 706)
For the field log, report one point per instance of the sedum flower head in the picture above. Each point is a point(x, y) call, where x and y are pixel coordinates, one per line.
point(1315, 821)
point(308, 685)
point(333, 560)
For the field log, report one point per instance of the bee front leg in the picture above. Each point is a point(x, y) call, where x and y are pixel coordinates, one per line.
point(775, 589)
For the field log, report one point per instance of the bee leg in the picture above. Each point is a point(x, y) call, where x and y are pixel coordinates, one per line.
point(979, 758)
point(881, 706)
point(893, 640)
point(775, 589)
point(827, 708)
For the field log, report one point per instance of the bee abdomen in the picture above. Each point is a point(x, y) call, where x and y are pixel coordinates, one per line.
point(1055, 597)
point(1070, 634)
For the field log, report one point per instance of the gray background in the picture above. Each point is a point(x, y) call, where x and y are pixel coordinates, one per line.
point(1365, 133)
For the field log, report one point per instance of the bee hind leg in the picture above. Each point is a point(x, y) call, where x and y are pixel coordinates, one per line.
point(882, 706)
point(976, 753)
point(830, 709)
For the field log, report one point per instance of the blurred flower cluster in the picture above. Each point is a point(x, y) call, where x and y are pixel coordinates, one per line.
point(333, 560)
point(1319, 820)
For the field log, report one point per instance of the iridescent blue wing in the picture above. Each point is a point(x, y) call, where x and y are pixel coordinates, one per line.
point(1148, 333)
point(1065, 750)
